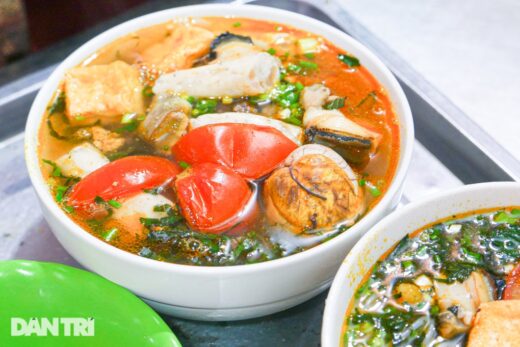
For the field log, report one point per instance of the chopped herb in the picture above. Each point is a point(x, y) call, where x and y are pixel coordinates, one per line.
point(293, 120)
point(128, 118)
point(114, 203)
point(294, 68)
point(58, 106)
point(129, 127)
point(299, 86)
point(271, 51)
point(349, 60)
point(335, 104)
point(203, 106)
point(505, 217)
point(370, 96)
point(237, 24)
point(373, 190)
point(60, 193)
point(226, 100)
point(309, 65)
point(67, 208)
point(362, 182)
point(56, 170)
point(147, 91)
point(309, 55)
point(79, 117)
point(184, 164)
point(110, 234)
point(153, 191)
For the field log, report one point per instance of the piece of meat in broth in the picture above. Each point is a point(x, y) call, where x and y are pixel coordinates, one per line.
point(102, 92)
point(248, 75)
point(314, 189)
point(166, 122)
point(179, 50)
point(128, 216)
point(81, 160)
point(332, 128)
point(459, 302)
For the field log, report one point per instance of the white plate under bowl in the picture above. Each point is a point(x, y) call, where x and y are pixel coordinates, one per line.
point(217, 293)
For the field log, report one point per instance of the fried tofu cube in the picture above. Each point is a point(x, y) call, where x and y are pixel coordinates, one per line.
point(104, 92)
point(183, 45)
point(497, 324)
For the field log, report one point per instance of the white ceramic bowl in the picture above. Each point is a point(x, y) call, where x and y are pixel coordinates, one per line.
point(392, 229)
point(217, 293)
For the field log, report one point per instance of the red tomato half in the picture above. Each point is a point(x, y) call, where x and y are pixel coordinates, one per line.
point(122, 177)
point(213, 198)
point(250, 150)
point(512, 290)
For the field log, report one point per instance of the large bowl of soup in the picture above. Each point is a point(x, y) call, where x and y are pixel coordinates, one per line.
point(218, 160)
point(444, 271)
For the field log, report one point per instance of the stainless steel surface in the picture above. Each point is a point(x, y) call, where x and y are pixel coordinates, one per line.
point(438, 164)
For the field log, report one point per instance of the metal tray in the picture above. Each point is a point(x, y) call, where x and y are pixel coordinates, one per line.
point(450, 150)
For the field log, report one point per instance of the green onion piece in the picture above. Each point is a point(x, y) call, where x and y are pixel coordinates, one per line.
point(299, 86)
point(335, 104)
point(237, 24)
point(79, 117)
point(362, 182)
point(373, 190)
point(293, 120)
point(128, 118)
point(58, 105)
point(56, 170)
point(349, 60)
point(147, 91)
point(60, 193)
point(271, 51)
point(67, 208)
point(184, 164)
point(294, 68)
point(309, 65)
point(309, 55)
point(114, 203)
point(110, 234)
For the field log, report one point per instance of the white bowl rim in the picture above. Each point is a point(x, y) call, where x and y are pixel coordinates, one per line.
point(239, 10)
point(350, 261)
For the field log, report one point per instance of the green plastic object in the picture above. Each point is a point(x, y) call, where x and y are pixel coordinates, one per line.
point(47, 304)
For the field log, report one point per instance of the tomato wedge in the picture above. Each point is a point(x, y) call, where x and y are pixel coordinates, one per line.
point(122, 177)
point(213, 198)
point(512, 290)
point(248, 149)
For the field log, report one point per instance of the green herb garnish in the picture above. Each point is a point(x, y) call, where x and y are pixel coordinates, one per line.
point(335, 104)
point(349, 60)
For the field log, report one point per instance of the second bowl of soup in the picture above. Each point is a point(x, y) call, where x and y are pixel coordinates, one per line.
point(444, 271)
point(219, 165)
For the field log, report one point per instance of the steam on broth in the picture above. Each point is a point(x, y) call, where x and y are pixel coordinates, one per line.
point(442, 283)
point(219, 141)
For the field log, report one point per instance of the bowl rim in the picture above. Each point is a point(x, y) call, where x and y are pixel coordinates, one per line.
point(230, 10)
point(351, 260)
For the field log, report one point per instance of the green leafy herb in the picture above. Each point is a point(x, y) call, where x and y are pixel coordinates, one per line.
point(507, 217)
point(184, 164)
point(271, 51)
point(114, 203)
point(203, 106)
point(60, 193)
point(58, 106)
point(370, 96)
point(293, 120)
point(309, 65)
point(309, 55)
point(147, 91)
point(56, 170)
point(110, 234)
point(349, 60)
point(335, 104)
point(237, 24)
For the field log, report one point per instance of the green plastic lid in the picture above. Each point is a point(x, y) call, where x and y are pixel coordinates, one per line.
point(47, 304)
